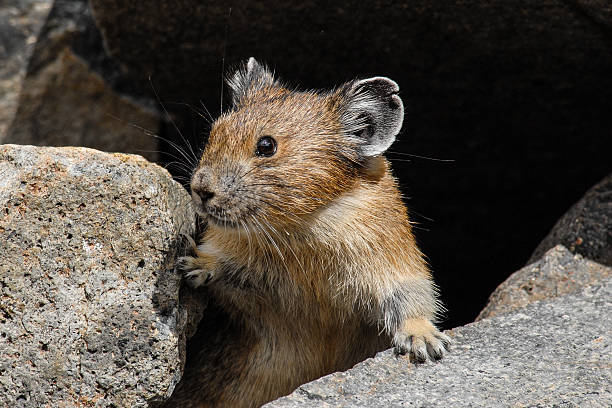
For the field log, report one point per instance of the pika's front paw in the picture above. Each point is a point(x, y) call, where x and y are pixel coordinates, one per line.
point(420, 339)
point(193, 272)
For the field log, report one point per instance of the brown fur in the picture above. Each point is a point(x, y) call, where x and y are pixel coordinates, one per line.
point(317, 269)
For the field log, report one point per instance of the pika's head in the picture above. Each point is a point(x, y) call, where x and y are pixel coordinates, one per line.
point(280, 155)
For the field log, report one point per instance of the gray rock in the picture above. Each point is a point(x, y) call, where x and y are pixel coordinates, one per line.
point(555, 352)
point(20, 21)
point(66, 104)
point(559, 272)
point(89, 300)
point(586, 228)
point(66, 98)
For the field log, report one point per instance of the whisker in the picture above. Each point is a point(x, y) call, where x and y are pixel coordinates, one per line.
point(176, 163)
point(252, 168)
point(281, 211)
point(229, 14)
point(207, 111)
point(248, 233)
point(257, 234)
point(400, 160)
point(177, 148)
point(288, 245)
point(151, 134)
point(416, 156)
point(271, 240)
point(208, 119)
point(169, 117)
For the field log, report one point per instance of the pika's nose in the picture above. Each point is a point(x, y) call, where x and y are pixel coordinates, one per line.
point(205, 195)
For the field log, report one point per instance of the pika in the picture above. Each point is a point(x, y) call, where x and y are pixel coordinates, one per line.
point(308, 259)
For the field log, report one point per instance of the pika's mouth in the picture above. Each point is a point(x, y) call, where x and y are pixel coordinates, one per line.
point(221, 221)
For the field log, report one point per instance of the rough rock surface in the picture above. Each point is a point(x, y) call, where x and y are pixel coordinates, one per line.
point(67, 97)
point(89, 310)
point(555, 352)
point(558, 273)
point(586, 228)
point(20, 21)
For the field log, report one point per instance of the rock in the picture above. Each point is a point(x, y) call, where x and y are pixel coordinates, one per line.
point(554, 352)
point(68, 95)
point(20, 21)
point(66, 104)
point(558, 273)
point(586, 229)
point(89, 300)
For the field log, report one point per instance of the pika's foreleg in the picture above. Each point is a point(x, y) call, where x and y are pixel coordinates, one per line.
point(421, 340)
point(408, 312)
point(202, 268)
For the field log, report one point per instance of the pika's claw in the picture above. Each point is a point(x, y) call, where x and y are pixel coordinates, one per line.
point(186, 264)
point(197, 271)
point(198, 277)
point(446, 341)
point(420, 340)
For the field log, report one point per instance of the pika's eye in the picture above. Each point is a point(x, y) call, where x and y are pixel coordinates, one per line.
point(266, 147)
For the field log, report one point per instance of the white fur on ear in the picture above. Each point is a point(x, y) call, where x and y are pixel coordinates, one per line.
point(253, 75)
point(373, 114)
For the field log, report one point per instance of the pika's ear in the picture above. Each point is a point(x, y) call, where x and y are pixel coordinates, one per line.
point(373, 113)
point(251, 76)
